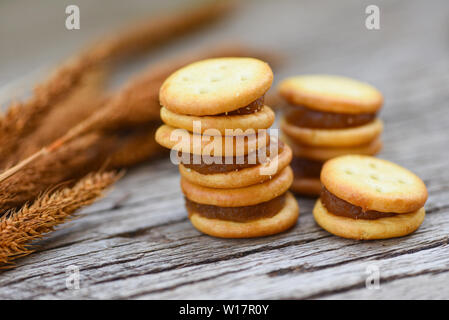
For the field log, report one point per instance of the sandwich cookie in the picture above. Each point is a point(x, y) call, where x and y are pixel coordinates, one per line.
point(368, 198)
point(240, 172)
point(271, 217)
point(238, 197)
point(235, 191)
point(257, 210)
point(263, 118)
point(329, 116)
point(335, 94)
point(216, 86)
point(218, 146)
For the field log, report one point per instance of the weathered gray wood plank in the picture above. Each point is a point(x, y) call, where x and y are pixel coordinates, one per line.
point(138, 242)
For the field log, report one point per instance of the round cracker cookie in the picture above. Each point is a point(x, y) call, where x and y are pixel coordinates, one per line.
point(306, 186)
point(215, 86)
point(239, 197)
point(331, 94)
point(374, 184)
point(285, 219)
point(241, 178)
point(262, 119)
point(348, 137)
point(184, 141)
point(360, 229)
point(326, 153)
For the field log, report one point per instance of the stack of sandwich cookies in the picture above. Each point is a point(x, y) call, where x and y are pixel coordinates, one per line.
point(368, 198)
point(228, 191)
point(329, 116)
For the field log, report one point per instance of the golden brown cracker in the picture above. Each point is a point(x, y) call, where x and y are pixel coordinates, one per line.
point(360, 229)
point(215, 86)
point(331, 94)
point(239, 197)
point(374, 184)
point(262, 119)
point(280, 222)
point(241, 178)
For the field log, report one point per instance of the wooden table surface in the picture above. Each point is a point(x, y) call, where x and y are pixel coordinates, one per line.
point(138, 243)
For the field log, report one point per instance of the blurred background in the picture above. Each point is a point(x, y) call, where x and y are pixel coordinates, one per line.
point(407, 58)
point(312, 36)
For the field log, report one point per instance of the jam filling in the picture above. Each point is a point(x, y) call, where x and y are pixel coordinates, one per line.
point(228, 164)
point(306, 168)
point(238, 214)
point(343, 208)
point(253, 107)
point(304, 117)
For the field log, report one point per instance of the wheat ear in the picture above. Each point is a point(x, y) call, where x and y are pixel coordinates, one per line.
point(19, 228)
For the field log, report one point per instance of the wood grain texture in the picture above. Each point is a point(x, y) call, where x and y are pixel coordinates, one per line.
point(138, 243)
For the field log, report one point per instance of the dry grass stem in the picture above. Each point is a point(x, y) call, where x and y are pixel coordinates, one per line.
point(136, 103)
point(147, 34)
point(84, 100)
point(69, 127)
point(19, 228)
point(24, 117)
point(72, 161)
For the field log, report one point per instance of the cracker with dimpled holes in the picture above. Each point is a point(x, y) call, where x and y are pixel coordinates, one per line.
point(330, 116)
point(215, 86)
point(368, 198)
point(241, 198)
point(331, 94)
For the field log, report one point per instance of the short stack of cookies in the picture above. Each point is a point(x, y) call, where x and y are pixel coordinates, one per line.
point(329, 116)
point(231, 191)
point(366, 198)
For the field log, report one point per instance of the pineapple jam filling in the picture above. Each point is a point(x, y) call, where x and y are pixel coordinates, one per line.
point(238, 214)
point(228, 164)
point(304, 117)
point(253, 107)
point(340, 207)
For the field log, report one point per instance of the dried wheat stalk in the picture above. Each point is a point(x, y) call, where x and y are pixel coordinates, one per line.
point(147, 34)
point(74, 160)
point(138, 101)
point(19, 228)
point(23, 118)
point(135, 104)
point(30, 125)
point(85, 99)
point(87, 153)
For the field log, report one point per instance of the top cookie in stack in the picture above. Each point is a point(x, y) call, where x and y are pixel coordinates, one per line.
point(330, 116)
point(235, 183)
